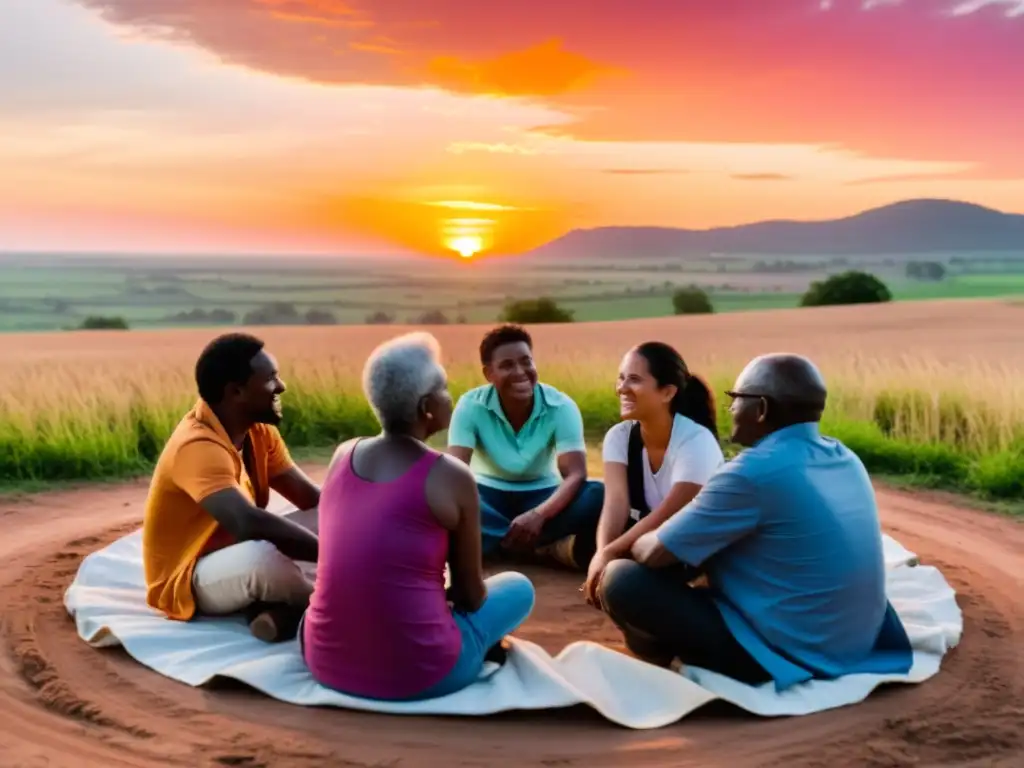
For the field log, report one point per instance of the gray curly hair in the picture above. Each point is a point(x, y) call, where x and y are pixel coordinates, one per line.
point(398, 373)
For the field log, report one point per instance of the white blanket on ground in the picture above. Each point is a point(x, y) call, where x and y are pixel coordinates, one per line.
point(107, 601)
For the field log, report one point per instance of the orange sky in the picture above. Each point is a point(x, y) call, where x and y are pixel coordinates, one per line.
point(351, 126)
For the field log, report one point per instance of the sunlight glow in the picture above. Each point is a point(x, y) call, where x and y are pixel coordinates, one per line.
point(466, 245)
point(470, 205)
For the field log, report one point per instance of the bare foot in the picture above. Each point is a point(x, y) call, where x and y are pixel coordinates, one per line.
point(276, 623)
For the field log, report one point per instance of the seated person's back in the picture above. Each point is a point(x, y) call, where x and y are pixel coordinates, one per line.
point(393, 513)
point(811, 580)
point(378, 623)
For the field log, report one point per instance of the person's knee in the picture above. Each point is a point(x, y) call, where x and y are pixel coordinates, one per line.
point(273, 576)
point(621, 586)
point(593, 495)
point(517, 592)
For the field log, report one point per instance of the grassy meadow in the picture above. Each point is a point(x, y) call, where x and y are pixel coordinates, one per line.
point(928, 391)
point(40, 293)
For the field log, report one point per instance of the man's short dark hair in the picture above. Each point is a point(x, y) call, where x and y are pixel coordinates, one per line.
point(500, 336)
point(225, 360)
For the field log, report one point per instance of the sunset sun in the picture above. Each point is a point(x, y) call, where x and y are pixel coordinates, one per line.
point(466, 246)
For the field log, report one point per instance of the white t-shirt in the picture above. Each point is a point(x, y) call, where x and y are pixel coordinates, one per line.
point(693, 456)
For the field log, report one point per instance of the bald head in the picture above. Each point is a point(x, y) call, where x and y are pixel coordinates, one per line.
point(784, 377)
point(774, 392)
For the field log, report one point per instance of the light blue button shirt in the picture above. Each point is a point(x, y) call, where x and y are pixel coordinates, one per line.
point(511, 461)
point(789, 535)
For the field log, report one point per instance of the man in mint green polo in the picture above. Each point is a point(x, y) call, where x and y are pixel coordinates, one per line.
point(524, 442)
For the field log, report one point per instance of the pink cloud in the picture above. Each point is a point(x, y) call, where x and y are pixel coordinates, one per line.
point(873, 75)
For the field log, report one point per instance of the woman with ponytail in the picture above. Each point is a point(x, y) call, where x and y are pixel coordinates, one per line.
point(658, 458)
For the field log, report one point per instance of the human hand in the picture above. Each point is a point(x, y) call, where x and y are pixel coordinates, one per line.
point(598, 564)
point(524, 530)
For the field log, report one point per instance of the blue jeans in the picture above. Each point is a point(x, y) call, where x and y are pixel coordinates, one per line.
point(510, 598)
point(498, 508)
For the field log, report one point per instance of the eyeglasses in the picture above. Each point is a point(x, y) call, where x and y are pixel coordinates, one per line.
point(755, 395)
point(789, 402)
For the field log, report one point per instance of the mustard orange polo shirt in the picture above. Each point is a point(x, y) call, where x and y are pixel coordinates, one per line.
point(197, 461)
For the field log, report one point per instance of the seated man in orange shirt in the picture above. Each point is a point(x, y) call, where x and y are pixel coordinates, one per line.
point(209, 545)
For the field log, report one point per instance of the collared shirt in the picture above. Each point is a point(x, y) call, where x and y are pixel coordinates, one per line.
point(790, 538)
point(517, 461)
point(198, 460)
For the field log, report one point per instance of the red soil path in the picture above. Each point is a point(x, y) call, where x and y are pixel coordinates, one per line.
point(65, 704)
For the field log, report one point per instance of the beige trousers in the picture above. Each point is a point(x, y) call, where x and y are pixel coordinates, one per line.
point(231, 579)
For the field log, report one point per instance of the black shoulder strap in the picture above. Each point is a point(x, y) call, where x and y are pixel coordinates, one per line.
point(635, 472)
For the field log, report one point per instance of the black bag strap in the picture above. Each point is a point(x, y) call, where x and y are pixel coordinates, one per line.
point(635, 472)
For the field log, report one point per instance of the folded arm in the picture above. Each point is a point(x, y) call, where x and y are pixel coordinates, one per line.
point(207, 472)
point(571, 449)
point(679, 496)
point(461, 433)
point(572, 466)
point(615, 511)
point(724, 511)
point(456, 487)
point(297, 488)
point(247, 522)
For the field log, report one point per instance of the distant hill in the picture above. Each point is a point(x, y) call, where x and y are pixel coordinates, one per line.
point(911, 226)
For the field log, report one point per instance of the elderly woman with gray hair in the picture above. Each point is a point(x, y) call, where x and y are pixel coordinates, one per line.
point(393, 513)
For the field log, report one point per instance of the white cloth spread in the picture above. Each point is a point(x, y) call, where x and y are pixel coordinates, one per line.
point(107, 601)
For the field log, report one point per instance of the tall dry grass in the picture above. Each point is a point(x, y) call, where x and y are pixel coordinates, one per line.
point(937, 395)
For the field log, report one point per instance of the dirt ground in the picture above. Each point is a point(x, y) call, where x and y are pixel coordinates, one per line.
point(65, 704)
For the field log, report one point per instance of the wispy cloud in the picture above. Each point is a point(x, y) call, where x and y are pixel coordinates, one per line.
point(904, 177)
point(495, 148)
point(644, 171)
point(869, 5)
point(470, 205)
point(761, 177)
point(955, 8)
point(1013, 8)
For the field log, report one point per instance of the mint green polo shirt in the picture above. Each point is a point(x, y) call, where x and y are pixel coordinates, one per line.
point(508, 461)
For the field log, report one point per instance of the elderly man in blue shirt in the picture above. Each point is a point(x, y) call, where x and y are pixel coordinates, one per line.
point(788, 536)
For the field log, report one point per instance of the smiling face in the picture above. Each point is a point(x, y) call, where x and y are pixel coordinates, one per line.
point(640, 395)
point(259, 399)
point(512, 372)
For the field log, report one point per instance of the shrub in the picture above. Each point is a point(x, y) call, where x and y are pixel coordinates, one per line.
point(925, 270)
point(101, 323)
point(320, 317)
point(542, 310)
point(851, 287)
point(692, 301)
point(432, 317)
point(275, 313)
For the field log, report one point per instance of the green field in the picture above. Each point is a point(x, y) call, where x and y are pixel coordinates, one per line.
point(49, 293)
point(101, 405)
point(109, 441)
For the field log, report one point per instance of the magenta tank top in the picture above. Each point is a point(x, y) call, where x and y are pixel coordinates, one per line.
point(378, 623)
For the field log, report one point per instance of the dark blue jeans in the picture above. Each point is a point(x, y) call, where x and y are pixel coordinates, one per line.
point(663, 617)
point(499, 508)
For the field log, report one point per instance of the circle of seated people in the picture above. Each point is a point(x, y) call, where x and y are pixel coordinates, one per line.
point(765, 568)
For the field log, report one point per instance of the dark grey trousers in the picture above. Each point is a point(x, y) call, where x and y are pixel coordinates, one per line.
point(663, 617)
